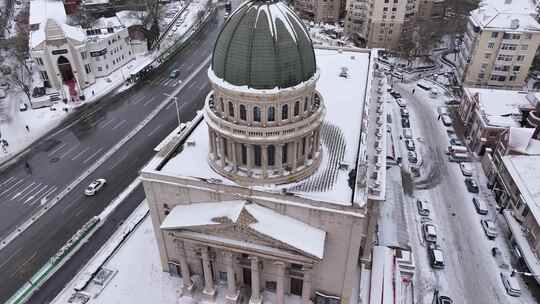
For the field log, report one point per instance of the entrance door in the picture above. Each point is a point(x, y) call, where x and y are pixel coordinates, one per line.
point(65, 68)
point(247, 276)
point(296, 286)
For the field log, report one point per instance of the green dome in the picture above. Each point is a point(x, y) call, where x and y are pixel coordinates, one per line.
point(264, 45)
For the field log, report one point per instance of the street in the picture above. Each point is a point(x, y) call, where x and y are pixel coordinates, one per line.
point(56, 160)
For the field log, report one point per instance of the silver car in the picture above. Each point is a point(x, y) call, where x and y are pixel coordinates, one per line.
point(511, 285)
point(94, 187)
point(489, 229)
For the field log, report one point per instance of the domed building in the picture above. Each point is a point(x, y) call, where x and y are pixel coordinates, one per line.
point(264, 115)
point(258, 197)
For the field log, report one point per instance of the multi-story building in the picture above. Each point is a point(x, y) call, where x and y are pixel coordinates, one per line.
point(383, 24)
point(499, 45)
point(328, 11)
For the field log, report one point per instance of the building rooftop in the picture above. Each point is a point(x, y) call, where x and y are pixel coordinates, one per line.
point(343, 83)
point(517, 15)
point(41, 10)
point(501, 108)
point(524, 172)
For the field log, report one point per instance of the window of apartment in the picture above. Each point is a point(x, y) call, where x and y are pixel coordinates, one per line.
point(385, 9)
point(516, 36)
point(44, 75)
point(516, 68)
point(83, 55)
point(520, 58)
point(528, 36)
point(503, 68)
point(296, 108)
point(481, 76)
point(487, 55)
point(87, 68)
point(386, 1)
point(507, 36)
point(383, 24)
point(284, 112)
point(244, 154)
point(390, 32)
point(391, 25)
point(270, 286)
point(231, 109)
point(498, 78)
point(222, 276)
point(256, 114)
point(39, 60)
point(384, 16)
point(382, 31)
point(504, 57)
point(524, 47)
point(395, 1)
point(494, 34)
point(507, 46)
point(243, 112)
point(394, 9)
point(99, 69)
point(491, 45)
point(484, 65)
point(392, 17)
point(512, 78)
point(257, 155)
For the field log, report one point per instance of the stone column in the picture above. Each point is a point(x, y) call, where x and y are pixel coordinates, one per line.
point(222, 160)
point(232, 291)
point(294, 155)
point(264, 160)
point(187, 285)
point(280, 282)
point(234, 156)
point(279, 158)
point(306, 286)
point(249, 150)
point(255, 281)
point(212, 146)
point(208, 279)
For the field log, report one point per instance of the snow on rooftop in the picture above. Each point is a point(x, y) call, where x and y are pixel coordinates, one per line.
point(524, 172)
point(129, 18)
point(201, 214)
point(344, 101)
point(105, 22)
point(507, 14)
point(41, 10)
point(501, 108)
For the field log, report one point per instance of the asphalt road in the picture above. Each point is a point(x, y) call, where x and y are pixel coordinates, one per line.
point(59, 158)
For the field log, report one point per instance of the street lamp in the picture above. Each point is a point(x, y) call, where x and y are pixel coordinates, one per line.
point(527, 274)
point(177, 108)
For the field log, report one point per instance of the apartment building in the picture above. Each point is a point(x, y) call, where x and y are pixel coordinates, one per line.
point(383, 23)
point(499, 45)
point(328, 11)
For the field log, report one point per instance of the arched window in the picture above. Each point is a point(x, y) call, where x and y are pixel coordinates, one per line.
point(257, 156)
point(231, 109)
point(306, 104)
point(256, 114)
point(221, 105)
point(244, 154)
point(271, 155)
point(296, 108)
point(242, 112)
point(284, 153)
point(284, 112)
point(271, 114)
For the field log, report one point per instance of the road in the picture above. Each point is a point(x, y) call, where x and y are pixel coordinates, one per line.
point(59, 158)
point(471, 274)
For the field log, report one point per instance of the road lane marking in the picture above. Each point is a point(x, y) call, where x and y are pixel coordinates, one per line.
point(103, 125)
point(148, 101)
point(31, 190)
point(6, 181)
point(92, 156)
point(79, 212)
point(43, 200)
point(138, 99)
point(119, 161)
point(193, 84)
point(20, 267)
point(169, 106)
point(69, 151)
point(81, 153)
point(20, 192)
point(31, 197)
point(8, 189)
point(189, 66)
point(118, 125)
point(10, 257)
point(56, 150)
point(155, 130)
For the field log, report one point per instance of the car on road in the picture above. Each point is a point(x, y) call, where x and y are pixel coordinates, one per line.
point(436, 257)
point(409, 143)
point(405, 123)
point(404, 112)
point(412, 157)
point(480, 206)
point(446, 120)
point(174, 73)
point(511, 284)
point(472, 185)
point(489, 229)
point(430, 233)
point(423, 207)
point(466, 169)
point(401, 102)
point(95, 186)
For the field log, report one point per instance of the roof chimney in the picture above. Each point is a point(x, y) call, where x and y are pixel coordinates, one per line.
point(514, 24)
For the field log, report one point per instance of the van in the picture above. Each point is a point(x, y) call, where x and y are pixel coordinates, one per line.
point(457, 149)
point(407, 133)
point(480, 206)
point(459, 157)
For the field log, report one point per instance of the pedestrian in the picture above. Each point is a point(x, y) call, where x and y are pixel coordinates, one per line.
point(93, 93)
point(413, 90)
point(27, 128)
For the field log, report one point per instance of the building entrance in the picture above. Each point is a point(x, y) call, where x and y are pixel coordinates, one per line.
point(65, 69)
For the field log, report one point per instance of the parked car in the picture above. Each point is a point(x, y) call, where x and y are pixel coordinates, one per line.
point(456, 142)
point(2, 94)
point(444, 300)
point(457, 149)
point(401, 102)
point(424, 85)
point(511, 285)
point(436, 257)
point(451, 102)
point(442, 110)
point(409, 143)
point(4, 85)
point(95, 186)
point(446, 120)
point(430, 233)
point(480, 206)
point(472, 185)
point(23, 107)
point(405, 123)
point(423, 207)
point(395, 94)
point(407, 133)
point(459, 157)
point(466, 169)
point(489, 229)
point(226, 16)
point(174, 73)
point(404, 112)
point(412, 157)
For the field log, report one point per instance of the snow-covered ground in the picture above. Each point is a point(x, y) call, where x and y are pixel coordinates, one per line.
point(471, 274)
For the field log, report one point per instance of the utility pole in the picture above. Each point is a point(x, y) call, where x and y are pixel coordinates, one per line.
point(177, 107)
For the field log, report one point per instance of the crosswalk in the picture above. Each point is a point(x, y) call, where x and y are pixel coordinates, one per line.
point(167, 82)
point(26, 191)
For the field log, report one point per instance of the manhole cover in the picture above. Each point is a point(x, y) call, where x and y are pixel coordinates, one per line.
point(54, 159)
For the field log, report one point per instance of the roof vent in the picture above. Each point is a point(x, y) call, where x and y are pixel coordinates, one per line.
point(344, 72)
point(514, 24)
point(191, 143)
point(507, 1)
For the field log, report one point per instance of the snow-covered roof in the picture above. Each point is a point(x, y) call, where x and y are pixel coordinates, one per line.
point(501, 108)
point(344, 99)
point(41, 10)
point(129, 18)
point(510, 15)
point(524, 171)
point(52, 29)
point(266, 221)
point(105, 22)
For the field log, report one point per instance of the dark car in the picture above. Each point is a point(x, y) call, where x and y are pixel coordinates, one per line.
point(436, 257)
point(405, 123)
point(412, 157)
point(404, 112)
point(472, 185)
point(456, 142)
point(445, 300)
point(409, 143)
point(395, 94)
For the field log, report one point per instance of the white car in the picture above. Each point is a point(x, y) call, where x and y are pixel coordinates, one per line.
point(511, 285)
point(446, 120)
point(401, 102)
point(466, 169)
point(94, 187)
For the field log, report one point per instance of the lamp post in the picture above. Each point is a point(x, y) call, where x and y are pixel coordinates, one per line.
point(527, 274)
point(177, 107)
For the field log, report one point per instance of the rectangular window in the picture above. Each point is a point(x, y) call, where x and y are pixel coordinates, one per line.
point(44, 75)
point(39, 61)
point(222, 276)
point(510, 47)
point(270, 286)
point(481, 76)
point(516, 36)
point(83, 55)
point(494, 34)
point(516, 68)
point(512, 78)
point(524, 47)
point(520, 58)
point(385, 9)
point(484, 65)
point(507, 36)
point(87, 68)
point(487, 55)
point(528, 36)
point(99, 69)
point(491, 45)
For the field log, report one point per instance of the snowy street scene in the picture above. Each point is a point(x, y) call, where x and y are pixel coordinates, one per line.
point(270, 151)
